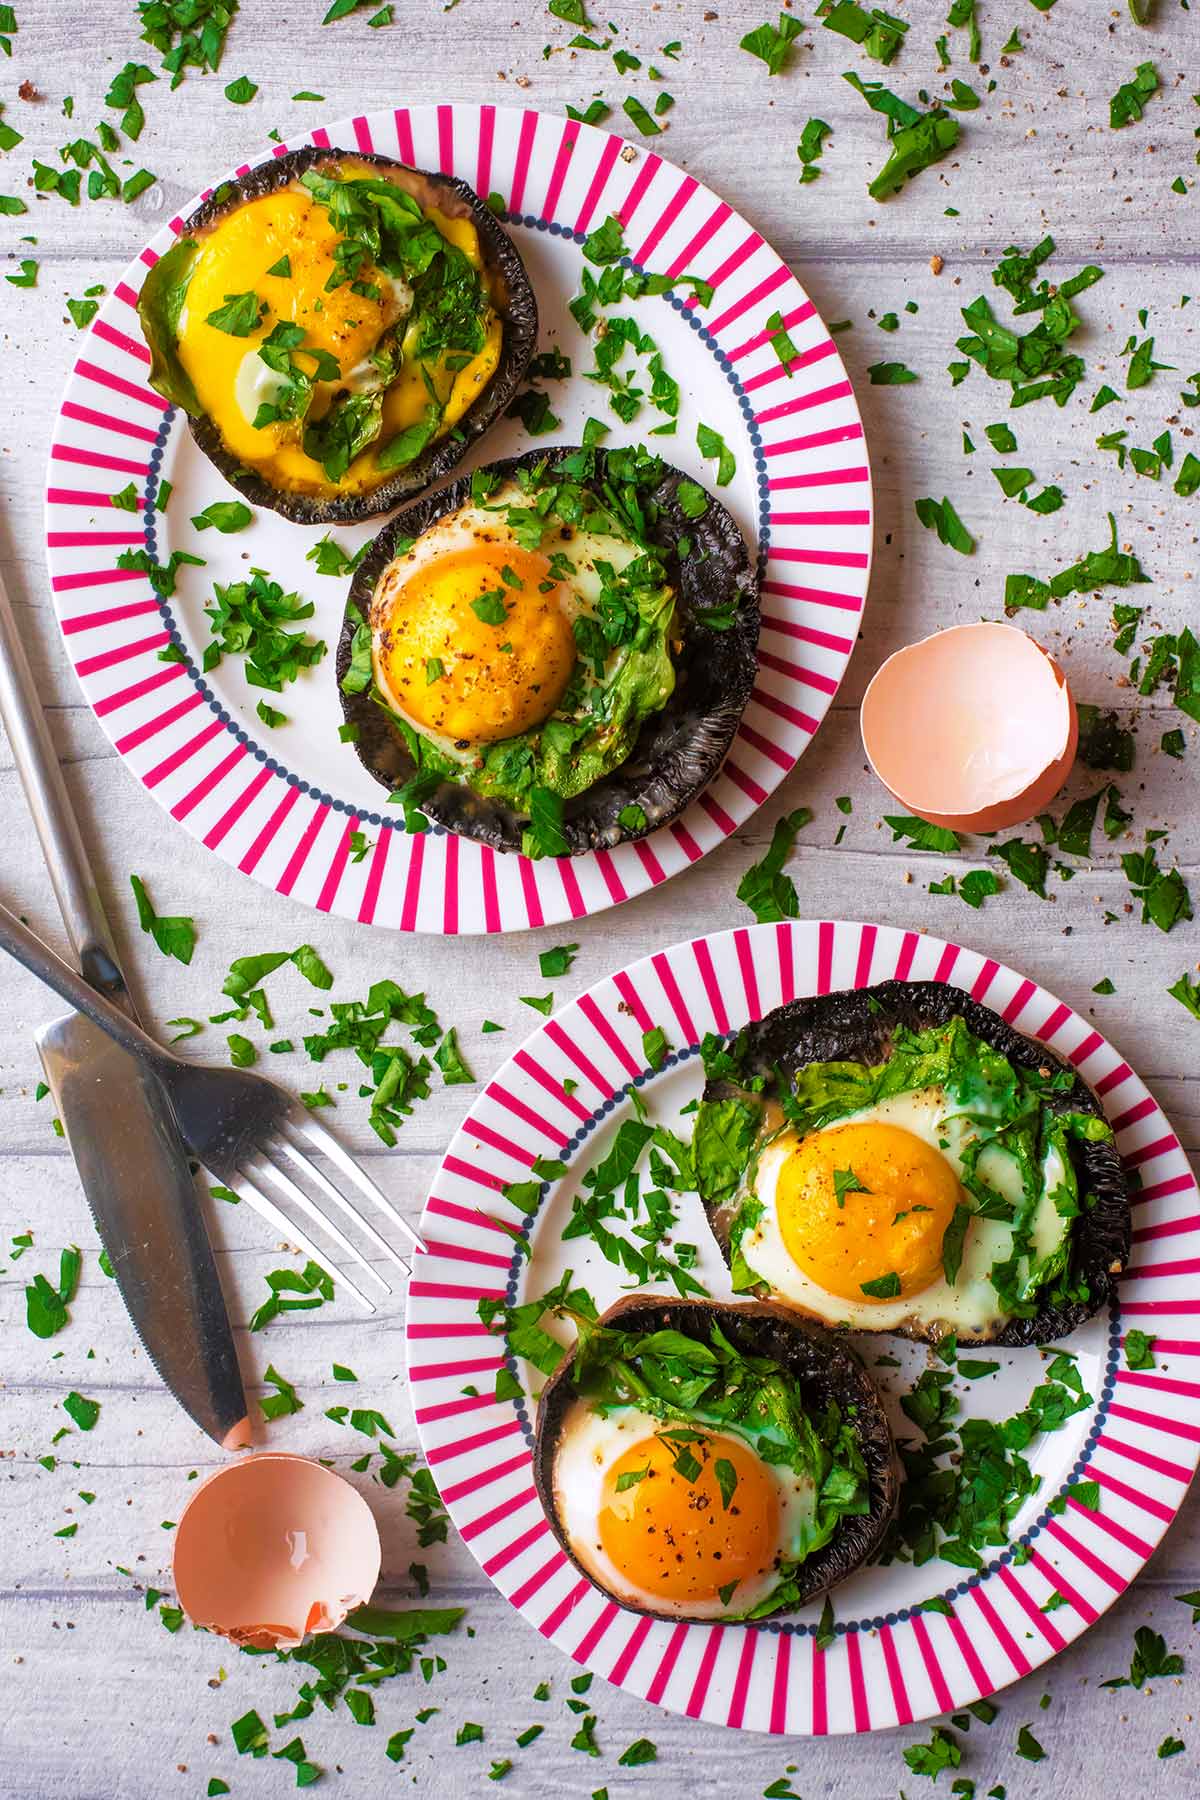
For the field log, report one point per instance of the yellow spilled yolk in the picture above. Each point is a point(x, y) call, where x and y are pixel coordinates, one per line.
point(234, 258)
point(470, 646)
point(667, 1527)
point(857, 1203)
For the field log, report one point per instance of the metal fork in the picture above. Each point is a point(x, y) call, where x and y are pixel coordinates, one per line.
point(242, 1127)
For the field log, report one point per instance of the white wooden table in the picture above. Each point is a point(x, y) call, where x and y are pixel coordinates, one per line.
point(95, 1698)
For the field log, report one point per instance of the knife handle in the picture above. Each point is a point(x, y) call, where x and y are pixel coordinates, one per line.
point(53, 815)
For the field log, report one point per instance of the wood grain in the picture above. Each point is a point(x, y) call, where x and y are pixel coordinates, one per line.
point(97, 1700)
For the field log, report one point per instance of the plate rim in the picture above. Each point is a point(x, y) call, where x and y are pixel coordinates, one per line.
point(841, 1697)
point(283, 830)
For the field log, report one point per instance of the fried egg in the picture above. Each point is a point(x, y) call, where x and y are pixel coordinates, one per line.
point(866, 1202)
point(701, 1548)
point(472, 632)
point(282, 247)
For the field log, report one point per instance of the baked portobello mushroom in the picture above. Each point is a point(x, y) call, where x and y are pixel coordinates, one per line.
point(898, 1158)
point(699, 1460)
point(552, 654)
point(339, 329)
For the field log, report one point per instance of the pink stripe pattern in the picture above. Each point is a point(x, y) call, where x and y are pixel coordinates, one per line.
point(895, 1663)
point(567, 177)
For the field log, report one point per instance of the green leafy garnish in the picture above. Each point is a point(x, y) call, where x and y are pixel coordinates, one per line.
point(891, 374)
point(226, 515)
point(1129, 101)
point(879, 33)
point(175, 935)
point(238, 315)
point(45, 1305)
point(771, 43)
point(943, 519)
point(249, 619)
point(916, 140)
point(921, 835)
point(283, 1401)
point(765, 888)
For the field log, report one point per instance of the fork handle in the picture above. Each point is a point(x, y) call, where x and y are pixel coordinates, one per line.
point(45, 787)
point(41, 960)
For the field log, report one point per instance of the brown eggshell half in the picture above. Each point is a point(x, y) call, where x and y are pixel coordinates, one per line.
point(271, 1548)
point(974, 728)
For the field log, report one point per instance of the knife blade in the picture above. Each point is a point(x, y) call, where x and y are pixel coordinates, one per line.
point(132, 1162)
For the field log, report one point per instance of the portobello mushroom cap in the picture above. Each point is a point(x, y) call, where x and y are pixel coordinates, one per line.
point(858, 1025)
point(824, 1368)
point(512, 297)
point(678, 750)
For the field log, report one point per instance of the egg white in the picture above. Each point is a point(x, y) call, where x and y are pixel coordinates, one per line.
point(590, 1443)
point(474, 526)
point(971, 1307)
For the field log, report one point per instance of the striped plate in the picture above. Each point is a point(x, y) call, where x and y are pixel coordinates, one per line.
point(891, 1662)
point(283, 803)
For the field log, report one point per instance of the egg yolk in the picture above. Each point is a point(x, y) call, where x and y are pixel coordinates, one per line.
point(897, 1196)
point(288, 229)
point(676, 1539)
point(469, 644)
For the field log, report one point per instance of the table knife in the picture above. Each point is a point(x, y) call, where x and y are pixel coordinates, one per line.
point(118, 1122)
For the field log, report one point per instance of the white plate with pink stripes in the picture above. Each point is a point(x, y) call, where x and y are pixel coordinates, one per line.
point(890, 1663)
point(281, 803)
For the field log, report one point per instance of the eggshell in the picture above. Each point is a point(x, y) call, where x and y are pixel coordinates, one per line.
point(974, 728)
point(271, 1548)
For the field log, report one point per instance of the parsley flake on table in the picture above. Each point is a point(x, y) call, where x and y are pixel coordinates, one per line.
point(556, 961)
point(811, 146)
point(81, 1410)
point(891, 374)
point(241, 91)
point(943, 1751)
point(1150, 1660)
point(45, 1305)
point(920, 834)
point(1187, 992)
point(916, 140)
point(1163, 893)
point(771, 44)
point(879, 34)
point(1129, 101)
point(941, 517)
point(764, 888)
point(1170, 1746)
point(1142, 366)
point(1027, 863)
point(283, 1401)
point(175, 935)
point(639, 1752)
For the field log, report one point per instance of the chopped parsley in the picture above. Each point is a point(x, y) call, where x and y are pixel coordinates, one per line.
point(251, 619)
point(921, 835)
point(175, 935)
point(916, 140)
point(891, 374)
point(771, 44)
point(765, 888)
point(942, 518)
point(1129, 101)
